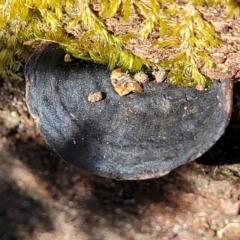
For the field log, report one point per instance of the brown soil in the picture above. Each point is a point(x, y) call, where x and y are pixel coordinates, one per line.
point(43, 197)
point(226, 57)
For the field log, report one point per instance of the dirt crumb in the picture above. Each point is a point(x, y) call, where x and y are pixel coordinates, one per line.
point(141, 77)
point(200, 87)
point(95, 97)
point(160, 74)
point(67, 58)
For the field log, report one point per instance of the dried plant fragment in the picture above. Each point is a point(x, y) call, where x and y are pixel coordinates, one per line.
point(123, 83)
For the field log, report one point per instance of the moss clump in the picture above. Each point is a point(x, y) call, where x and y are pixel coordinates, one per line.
point(81, 30)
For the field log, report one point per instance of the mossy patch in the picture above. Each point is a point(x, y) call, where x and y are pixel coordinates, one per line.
point(80, 27)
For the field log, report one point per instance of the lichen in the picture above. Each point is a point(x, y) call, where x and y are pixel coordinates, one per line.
point(25, 24)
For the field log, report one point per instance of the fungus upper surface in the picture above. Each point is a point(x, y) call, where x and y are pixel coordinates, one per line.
point(138, 136)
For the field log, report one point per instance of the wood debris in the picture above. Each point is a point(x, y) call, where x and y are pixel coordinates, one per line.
point(123, 83)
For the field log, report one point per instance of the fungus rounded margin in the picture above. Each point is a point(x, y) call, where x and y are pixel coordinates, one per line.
point(139, 136)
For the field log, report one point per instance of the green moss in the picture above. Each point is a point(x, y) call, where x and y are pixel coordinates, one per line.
point(25, 24)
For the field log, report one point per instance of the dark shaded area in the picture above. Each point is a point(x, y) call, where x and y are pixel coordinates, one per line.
point(61, 174)
point(138, 136)
point(227, 149)
point(20, 214)
point(118, 203)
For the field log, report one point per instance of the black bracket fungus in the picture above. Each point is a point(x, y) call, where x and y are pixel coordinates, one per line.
point(139, 136)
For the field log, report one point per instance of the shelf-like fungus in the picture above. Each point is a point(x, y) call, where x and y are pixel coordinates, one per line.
point(138, 136)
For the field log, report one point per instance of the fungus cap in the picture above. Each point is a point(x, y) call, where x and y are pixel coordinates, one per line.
point(139, 136)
